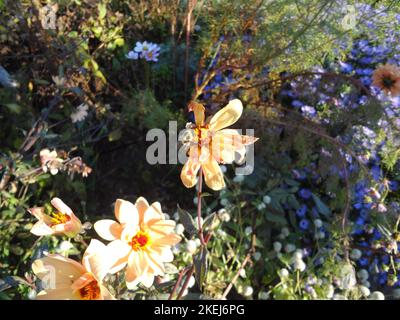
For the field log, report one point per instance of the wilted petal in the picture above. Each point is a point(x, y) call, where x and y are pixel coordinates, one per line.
point(199, 112)
point(213, 175)
point(227, 115)
point(108, 229)
point(189, 173)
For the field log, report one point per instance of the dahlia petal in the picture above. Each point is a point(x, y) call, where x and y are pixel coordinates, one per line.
point(108, 229)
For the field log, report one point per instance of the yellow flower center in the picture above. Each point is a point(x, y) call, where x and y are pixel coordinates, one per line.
point(91, 291)
point(140, 241)
point(59, 218)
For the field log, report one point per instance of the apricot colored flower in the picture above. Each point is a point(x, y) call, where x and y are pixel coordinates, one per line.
point(50, 161)
point(212, 144)
point(387, 78)
point(67, 279)
point(60, 221)
point(141, 240)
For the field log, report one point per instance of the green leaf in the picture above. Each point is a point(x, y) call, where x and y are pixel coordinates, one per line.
point(279, 219)
point(322, 208)
point(187, 221)
point(13, 107)
point(210, 221)
point(102, 10)
point(200, 266)
point(115, 135)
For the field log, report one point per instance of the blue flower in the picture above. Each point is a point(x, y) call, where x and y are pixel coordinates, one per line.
point(304, 224)
point(305, 193)
point(297, 103)
point(363, 261)
point(301, 212)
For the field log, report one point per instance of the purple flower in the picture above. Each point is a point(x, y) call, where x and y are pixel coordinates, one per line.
point(305, 193)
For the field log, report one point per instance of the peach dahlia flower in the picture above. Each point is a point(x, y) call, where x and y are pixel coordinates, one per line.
point(66, 279)
point(212, 144)
point(141, 240)
point(61, 221)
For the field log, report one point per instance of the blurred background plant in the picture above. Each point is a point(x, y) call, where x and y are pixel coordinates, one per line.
point(318, 217)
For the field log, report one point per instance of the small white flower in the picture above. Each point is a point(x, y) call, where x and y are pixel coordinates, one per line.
point(355, 254)
point(347, 277)
point(285, 232)
point(318, 223)
point(290, 247)
point(242, 273)
point(221, 233)
point(263, 295)
point(80, 114)
point(376, 295)
point(248, 230)
point(195, 201)
point(65, 246)
point(176, 248)
point(298, 254)
point(363, 275)
point(277, 246)
point(179, 229)
point(198, 242)
point(283, 273)
point(224, 215)
point(331, 291)
point(32, 294)
point(248, 291)
point(191, 246)
point(267, 199)
point(191, 283)
point(320, 235)
point(261, 206)
point(299, 265)
point(365, 292)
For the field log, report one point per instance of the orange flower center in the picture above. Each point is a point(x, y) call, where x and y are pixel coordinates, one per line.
point(91, 291)
point(203, 135)
point(140, 241)
point(59, 218)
